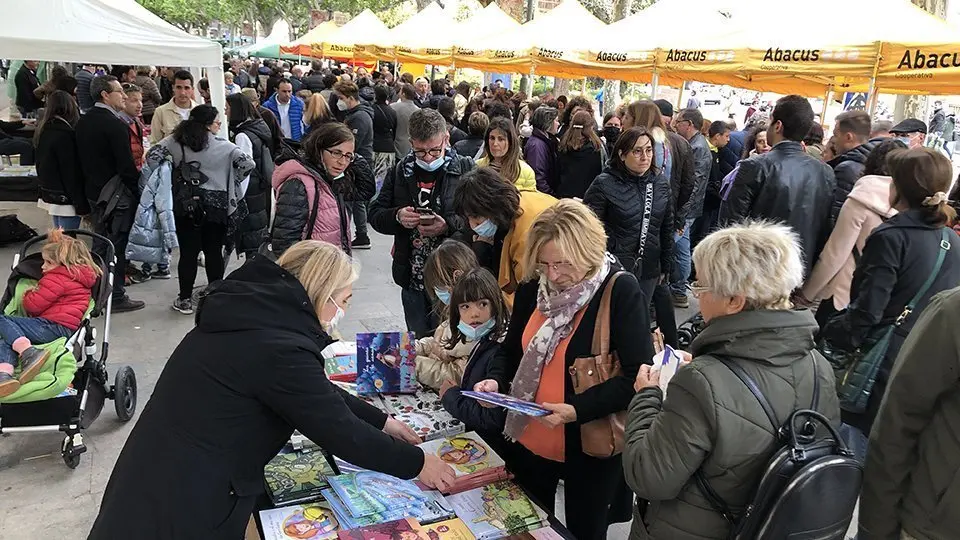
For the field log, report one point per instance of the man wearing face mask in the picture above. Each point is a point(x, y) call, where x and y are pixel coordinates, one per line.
point(358, 116)
point(415, 205)
point(911, 131)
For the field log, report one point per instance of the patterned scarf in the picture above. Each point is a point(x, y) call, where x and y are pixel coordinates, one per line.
point(559, 308)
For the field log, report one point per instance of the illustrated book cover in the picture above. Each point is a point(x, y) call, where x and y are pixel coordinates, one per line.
point(528, 408)
point(297, 476)
point(497, 510)
point(386, 363)
point(315, 521)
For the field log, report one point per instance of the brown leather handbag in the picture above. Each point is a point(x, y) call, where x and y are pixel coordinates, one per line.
point(603, 437)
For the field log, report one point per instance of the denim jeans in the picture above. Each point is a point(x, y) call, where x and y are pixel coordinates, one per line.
point(38, 331)
point(360, 217)
point(681, 266)
point(66, 222)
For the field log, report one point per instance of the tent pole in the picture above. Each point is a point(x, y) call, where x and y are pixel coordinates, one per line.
point(680, 94)
point(826, 101)
point(654, 83)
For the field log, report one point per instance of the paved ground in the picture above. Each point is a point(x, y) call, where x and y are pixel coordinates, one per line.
point(45, 499)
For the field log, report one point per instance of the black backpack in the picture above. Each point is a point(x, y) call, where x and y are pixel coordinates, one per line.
point(809, 487)
point(187, 193)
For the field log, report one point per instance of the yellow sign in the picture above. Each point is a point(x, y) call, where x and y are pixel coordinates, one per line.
point(827, 61)
point(700, 60)
point(920, 68)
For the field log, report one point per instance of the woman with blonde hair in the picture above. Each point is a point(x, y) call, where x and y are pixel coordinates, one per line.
point(710, 421)
point(254, 369)
point(501, 151)
point(316, 113)
point(580, 156)
point(570, 285)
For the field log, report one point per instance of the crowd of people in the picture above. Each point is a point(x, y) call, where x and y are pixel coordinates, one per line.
point(521, 228)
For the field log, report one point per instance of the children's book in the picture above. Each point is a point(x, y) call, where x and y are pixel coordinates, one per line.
point(297, 477)
point(468, 454)
point(369, 492)
point(543, 533)
point(402, 529)
point(452, 529)
point(667, 363)
point(435, 508)
point(528, 408)
point(340, 361)
point(313, 521)
point(497, 510)
point(424, 413)
point(386, 363)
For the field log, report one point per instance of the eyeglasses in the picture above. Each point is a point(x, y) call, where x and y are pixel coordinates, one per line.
point(434, 152)
point(698, 289)
point(128, 86)
point(640, 152)
point(559, 267)
point(340, 156)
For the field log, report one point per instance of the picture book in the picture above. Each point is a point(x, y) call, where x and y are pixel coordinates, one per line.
point(386, 363)
point(435, 508)
point(497, 510)
point(297, 476)
point(467, 453)
point(424, 413)
point(543, 533)
point(313, 521)
point(401, 529)
point(528, 408)
point(666, 363)
point(340, 361)
point(451, 529)
point(369, 492)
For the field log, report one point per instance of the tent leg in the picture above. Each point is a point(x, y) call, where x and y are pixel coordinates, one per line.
point(654, 83)
point(680, 94)
point(826, 102)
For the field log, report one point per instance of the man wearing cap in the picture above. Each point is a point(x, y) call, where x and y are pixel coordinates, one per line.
point(911, 131)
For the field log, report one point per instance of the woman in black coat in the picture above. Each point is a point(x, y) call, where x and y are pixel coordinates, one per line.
point(252, 135)
point(58, 163)
point(555, 312)
point(897, 259)
point(232, 393)
point(580, 157)
point(632, 199)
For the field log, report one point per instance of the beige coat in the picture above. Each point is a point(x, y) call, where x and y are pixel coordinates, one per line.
point(865, 208)
point(165, 120)
point(436, 363)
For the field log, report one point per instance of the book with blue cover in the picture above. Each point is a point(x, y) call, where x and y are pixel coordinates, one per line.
point(434, 507)
point(386, 363)
point(511, 403)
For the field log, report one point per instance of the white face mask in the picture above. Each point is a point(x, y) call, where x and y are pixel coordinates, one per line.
point(338, 316)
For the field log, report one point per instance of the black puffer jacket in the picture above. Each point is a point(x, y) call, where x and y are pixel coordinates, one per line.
point(619, 199)
point(360, 121)
point(788, 185)
point(702, 163)
point(58, 167)
point(576, 169)
point(848, 168)
point(897, 259)
point(400, 190)
point(314, 82)
point(384, 128)
point(252, 231)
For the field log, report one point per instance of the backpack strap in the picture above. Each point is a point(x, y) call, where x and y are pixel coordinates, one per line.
point(944, 248)
point(755, 390)
point(601, 333)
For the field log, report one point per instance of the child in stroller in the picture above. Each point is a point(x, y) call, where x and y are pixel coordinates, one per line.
point(56, 307)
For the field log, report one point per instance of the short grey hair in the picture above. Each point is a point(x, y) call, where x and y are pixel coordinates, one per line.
point(759, 260)
point(426, 124)
point(543, 118)
point(101, 84)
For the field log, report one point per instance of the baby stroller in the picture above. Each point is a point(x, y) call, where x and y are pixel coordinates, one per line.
point(73, 410)
point(689, 330)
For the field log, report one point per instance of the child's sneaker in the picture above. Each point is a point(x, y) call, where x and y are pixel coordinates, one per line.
point(137, 276)
point(31, 362)
point(161, 274)
point(8, 384)
point(183, 305)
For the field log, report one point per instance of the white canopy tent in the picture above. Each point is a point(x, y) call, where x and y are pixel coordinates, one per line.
point(104, 32)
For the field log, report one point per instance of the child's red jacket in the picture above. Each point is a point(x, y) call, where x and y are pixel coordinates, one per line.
point(62, 295)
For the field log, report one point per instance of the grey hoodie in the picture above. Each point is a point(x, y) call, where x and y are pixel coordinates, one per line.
point(360, 120)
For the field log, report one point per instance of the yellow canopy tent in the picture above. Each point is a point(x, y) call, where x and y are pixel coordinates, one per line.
point(303, 45)
point(920, 68)
point(426, 38)
point(347, 42)
point(470, 36)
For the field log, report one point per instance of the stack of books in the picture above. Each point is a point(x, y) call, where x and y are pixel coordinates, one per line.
point(453, 529)
point(363, 498)
point(340, 361)
point(472, 459)
point(295, 477)
point(498, 510)
point(314, 521)
point(424, 413)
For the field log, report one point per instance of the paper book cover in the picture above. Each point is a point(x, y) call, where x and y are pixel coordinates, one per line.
point(543, 533)
point(528, 408)
point(497, 510)
point(401, 529)
point(430, 425)
point(434, 509)
point(304, 522)
point(297, 476)
point(340, 361)
point(467, 453)
point(386, 363)
point(451, 529)
point(369, 492)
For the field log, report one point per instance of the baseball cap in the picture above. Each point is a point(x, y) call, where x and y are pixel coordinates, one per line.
point(666, 108)
point(910, 125)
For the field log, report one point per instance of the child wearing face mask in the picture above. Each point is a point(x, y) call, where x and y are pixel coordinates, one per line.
point(435, 362)
point(479, 314)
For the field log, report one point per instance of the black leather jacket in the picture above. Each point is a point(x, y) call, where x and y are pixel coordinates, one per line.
point(702, 163)
point(618, 199)
point(786, 185)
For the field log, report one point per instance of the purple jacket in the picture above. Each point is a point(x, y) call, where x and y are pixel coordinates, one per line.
point(540, 153)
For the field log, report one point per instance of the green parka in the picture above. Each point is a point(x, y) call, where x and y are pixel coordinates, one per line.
point(711, 420)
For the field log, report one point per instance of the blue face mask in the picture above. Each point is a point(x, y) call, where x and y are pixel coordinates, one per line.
point(473, 334)
point(904, 140)
point(432, 166)
point(442, 295)
point(486, 229)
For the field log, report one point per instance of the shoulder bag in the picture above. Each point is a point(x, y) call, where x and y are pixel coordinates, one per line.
point(603, 437)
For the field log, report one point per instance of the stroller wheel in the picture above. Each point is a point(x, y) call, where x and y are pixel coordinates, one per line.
point(684, 337)
point(125, 393)
point(71, 453)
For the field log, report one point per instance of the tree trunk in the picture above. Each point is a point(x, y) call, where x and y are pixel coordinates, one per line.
point(561, 87)
point(916, 106)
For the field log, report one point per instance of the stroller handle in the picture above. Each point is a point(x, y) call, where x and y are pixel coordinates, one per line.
point(79, 232)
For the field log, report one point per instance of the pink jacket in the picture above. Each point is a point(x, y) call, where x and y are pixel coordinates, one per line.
point(867, 205)
point(327, 225)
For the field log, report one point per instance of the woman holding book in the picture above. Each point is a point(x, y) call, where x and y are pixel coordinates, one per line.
point(556, 311)
point(232, 393)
